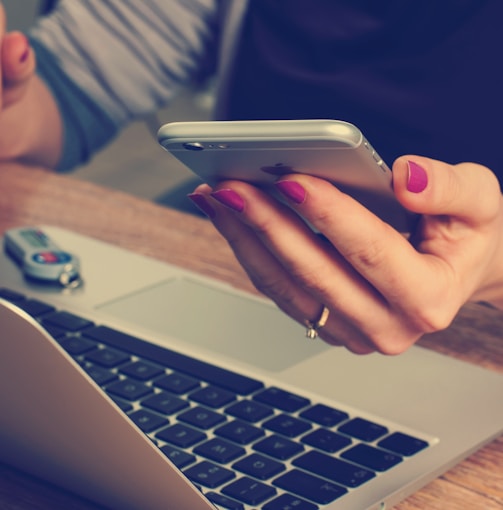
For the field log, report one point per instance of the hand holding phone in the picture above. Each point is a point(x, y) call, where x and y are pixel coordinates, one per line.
point(259, 152)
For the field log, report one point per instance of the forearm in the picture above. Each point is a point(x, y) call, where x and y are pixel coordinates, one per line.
point(130, 66)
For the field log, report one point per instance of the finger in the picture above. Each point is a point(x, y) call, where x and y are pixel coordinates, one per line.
point(465, 192)
point(270, 277)
point(263, 268)
point(314, 266)
point(369, 245)
point(407, 279)
point(16, 54)
point(339, 331)
point(461, 208)
point(18, 65)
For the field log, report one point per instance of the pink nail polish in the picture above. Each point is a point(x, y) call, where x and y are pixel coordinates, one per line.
point(292, 190)
point(229, 198)
point(24, 57)
point(26, 53)
point(417, 179)
point(201, 203)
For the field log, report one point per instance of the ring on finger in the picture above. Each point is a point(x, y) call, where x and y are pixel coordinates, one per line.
point(314, 326)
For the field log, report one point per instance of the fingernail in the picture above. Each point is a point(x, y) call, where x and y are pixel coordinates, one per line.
point(202, 204)
point(292, 190)
point(229, 198)
point(417, 179)
point(24, 57)
point(26, 53)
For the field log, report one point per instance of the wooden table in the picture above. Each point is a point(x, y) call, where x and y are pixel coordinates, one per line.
point(31, 196)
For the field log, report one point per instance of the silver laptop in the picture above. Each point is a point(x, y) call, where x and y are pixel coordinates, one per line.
point(152, 387)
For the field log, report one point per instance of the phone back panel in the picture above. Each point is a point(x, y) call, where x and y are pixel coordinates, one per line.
point(260, 152)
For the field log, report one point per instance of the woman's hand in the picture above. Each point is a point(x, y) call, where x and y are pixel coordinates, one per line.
point(30, 125)
point(383, 291)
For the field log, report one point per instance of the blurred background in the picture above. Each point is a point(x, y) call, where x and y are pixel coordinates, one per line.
point(134, 162)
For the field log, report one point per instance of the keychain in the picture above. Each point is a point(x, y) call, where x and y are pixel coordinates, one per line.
point(40, 258)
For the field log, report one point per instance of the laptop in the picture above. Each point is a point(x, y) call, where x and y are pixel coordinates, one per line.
point(152, 387)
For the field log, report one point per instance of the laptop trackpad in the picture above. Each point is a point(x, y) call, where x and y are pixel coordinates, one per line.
point(218, 320)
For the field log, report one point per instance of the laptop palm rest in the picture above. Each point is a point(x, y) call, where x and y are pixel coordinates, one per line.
point(218, 320)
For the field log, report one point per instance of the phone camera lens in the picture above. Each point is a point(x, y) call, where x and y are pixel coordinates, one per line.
point(193, 146)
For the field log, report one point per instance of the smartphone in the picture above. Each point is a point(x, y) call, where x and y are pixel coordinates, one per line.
point(259, 152)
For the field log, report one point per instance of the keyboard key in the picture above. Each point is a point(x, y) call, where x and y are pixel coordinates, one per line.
point(289, 502)
point(310, 487)
point(259, 466)
point(212, 396)
point(239, 431)
point(148, 421)
point(165, 403)
point(220, 450)
point(363, 429)
point(35, 308)
point(178, 457)
point(249, 410)
point(128, 389)
point(249, 491)
point(177, 383)
point(221, 377)
point(181, 435)
point(54, 331)
point(66, 321)
point(108, 358)
point(141, 370)
point(403, 444)
point(324, 415)
point(326, 440)
point(287, 425)
point(278, 447)
point(124, 406)
point(373, 458)
point(334, 469)
point(100, 375)
point(209, 474)
point(201, 418)
point(224, 502)
point(11, 295)
point(281, 399)
point(76, 345)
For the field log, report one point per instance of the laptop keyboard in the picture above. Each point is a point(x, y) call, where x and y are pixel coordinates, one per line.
point(242, 443)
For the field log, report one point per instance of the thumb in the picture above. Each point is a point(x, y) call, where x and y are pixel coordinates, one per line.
point(467, 191)
point(18, 65)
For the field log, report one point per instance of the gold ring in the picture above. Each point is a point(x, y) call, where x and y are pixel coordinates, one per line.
point(314, 326)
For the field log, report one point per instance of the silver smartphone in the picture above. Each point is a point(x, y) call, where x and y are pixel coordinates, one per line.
point(260, 152)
